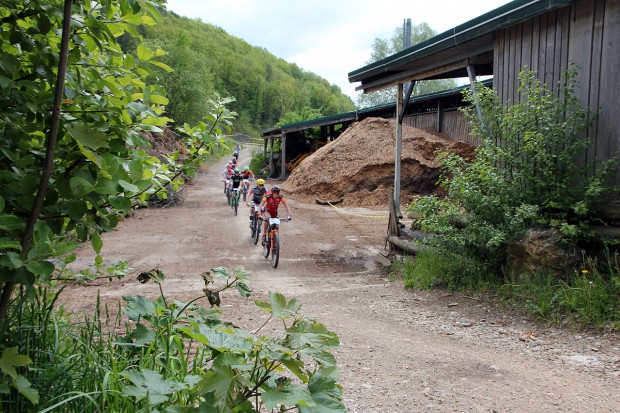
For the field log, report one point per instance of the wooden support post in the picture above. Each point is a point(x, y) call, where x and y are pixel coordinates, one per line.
point(399, 146)
point(265, 148)
point(472, 80)
point(283, 157)
point(271, 165)
point(439, 117)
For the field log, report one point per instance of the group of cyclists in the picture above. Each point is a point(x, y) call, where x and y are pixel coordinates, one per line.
point(267, 202)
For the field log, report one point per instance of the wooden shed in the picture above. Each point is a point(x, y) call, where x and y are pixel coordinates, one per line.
point(435, 111)
point(547, 36)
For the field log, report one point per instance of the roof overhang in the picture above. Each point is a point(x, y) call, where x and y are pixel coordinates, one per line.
point(448, 54)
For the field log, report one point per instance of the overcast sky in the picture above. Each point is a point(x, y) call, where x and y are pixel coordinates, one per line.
point(328, 37)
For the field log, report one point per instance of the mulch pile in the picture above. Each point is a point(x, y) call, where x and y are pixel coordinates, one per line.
point(359, 165)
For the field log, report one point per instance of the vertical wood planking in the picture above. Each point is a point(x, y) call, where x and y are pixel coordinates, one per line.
point(542, 47)
point(549, 72)
point(518, 33)
point(498, 55)
point(593, 85)
point(512, 78)
point(535, 43)
point(580, 50)
point(505, 62)
point(608, 143)
point(565, 30)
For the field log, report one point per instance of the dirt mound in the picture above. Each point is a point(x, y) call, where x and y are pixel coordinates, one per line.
point(359, 165)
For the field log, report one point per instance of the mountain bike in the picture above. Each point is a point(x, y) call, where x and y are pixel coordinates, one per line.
point(234, 199)
point(246, 188)
point(254, 222)
point(272, 241)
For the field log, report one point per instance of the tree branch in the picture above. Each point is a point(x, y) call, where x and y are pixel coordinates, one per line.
point(48, 168)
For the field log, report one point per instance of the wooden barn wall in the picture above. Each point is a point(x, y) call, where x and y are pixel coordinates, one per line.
point(586, 34)
point(453, 124)
point(456, 127)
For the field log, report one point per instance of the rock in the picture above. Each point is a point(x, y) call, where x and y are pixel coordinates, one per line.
point(541, 251)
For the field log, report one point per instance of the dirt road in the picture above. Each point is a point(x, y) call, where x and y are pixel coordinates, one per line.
point(401, 351)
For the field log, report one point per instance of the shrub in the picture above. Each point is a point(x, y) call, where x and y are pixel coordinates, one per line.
point(524, 174)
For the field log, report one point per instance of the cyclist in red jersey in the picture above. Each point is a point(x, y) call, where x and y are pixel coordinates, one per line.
point(248, 176)
point(269, 205)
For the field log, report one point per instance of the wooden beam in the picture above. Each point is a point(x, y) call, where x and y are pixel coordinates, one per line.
point(471, 72)
point(271, 165)
point(427, 70)
point(410, 87)
point(399, 146)
point(439, 117)
point(283, 157)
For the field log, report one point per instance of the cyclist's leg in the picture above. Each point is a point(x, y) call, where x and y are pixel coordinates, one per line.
point(266, 216)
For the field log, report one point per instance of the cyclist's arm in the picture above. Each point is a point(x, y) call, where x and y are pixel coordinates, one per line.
point(288, 210)
point(251, 176)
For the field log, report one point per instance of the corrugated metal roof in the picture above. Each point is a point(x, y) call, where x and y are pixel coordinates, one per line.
point(463, 42)
point(365, 112)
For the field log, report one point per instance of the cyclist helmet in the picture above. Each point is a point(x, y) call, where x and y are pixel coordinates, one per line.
point(275, 188)
point(236, 170)
point(247, 168)
point(260, 182)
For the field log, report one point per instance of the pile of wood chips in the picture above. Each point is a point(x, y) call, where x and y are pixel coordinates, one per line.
point(359, 165)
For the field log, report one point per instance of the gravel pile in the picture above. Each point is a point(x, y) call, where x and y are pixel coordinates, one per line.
point(359, 165)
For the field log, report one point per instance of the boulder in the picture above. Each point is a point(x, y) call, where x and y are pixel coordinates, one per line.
point(541, 251)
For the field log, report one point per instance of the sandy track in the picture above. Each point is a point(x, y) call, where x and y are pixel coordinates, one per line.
point(401, 351)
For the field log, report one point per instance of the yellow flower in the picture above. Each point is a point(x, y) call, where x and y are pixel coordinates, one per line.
point(584, 271)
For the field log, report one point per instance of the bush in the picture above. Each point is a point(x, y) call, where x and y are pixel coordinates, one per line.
point(259, 163)
point(173, 357)
point(524, 174)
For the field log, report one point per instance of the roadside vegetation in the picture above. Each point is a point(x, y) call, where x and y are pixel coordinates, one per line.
point(74, 111)
point(527, 174)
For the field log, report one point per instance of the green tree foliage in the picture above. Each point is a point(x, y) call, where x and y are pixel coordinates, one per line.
point(382, 48)
point(266, 88)
point(526, 172)
point(73, 110)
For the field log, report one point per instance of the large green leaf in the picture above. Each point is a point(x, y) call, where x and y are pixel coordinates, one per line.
point(326, 394)
point(144, 52)
point(80, 186)
point(152, 385)
point(278, 306)
point(97, 242)
point(10, 359)
point(139, 307)
point(88, 137)
point(313, 334)
point(222, 381)
point(10, 222)
point(40, 267)
point(8, 243)
point(289, 394)
point(219, 339)
point(23, 386)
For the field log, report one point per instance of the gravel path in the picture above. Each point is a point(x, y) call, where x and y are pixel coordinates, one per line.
point(401, 351)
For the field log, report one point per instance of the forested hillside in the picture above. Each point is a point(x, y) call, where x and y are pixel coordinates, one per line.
point(206, 59)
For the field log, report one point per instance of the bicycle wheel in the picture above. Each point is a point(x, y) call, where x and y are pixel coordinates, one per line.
point(253, 225)
point(257, 232)
point(236, 204)
point(267, 246)
point(275, 249)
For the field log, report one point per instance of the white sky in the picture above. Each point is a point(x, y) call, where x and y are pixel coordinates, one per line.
point(328, 37)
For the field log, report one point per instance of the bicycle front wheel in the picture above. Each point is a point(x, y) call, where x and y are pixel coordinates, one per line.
point(257, 232)
point(275, 250)
point(267, 246)
point(236, 205)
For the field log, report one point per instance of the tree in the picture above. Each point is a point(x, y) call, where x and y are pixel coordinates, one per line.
point(382, 48)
